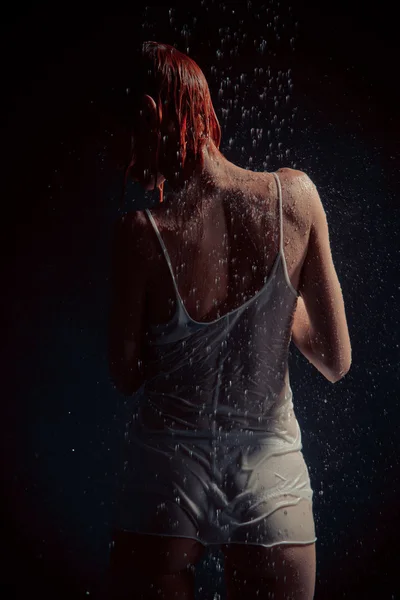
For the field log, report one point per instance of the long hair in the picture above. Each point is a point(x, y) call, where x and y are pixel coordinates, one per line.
point(181, 93)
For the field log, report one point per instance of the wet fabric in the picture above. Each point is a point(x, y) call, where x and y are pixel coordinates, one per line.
point(212, 447)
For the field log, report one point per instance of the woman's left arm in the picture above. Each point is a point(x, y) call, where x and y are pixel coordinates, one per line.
point(127, 311)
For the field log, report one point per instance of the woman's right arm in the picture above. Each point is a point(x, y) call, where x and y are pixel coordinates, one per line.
point(302, 340)
point(320, 329)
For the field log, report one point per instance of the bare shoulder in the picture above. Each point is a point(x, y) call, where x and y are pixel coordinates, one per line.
point(296, 178)
point(307, 192)
point(130, 226)
point(298, 197)
point(301, 182)
point(132, 232)
point(286, 176)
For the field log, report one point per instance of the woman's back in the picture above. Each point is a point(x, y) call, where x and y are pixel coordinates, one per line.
point(229, 373)
point(222, 249)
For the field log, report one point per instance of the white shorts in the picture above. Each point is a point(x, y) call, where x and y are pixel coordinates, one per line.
point(215, 493)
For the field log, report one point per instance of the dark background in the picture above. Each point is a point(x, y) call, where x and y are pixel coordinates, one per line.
point(62, 70)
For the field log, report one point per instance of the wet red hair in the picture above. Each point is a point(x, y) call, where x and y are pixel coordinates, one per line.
point(181, 93)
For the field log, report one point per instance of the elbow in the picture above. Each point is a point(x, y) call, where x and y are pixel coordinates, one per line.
point(124, 378)
point(121, 386)
point(341, 366)
point(125, 386)
point(339, 373)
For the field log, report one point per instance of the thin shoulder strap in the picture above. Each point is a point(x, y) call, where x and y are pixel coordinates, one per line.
point(278, 183)
point(167, 258)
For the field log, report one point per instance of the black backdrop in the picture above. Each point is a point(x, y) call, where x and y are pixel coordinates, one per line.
point(62, 422)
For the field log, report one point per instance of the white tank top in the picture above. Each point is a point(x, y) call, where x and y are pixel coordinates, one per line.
point(228, 378)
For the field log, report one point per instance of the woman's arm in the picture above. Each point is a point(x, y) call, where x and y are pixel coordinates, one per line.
point(127, 311)
point(320, 325)
point(308, 343)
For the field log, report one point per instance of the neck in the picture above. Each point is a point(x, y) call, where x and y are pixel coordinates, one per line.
point(201, 177)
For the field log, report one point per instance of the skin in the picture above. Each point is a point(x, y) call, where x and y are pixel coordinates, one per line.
point(144, 566)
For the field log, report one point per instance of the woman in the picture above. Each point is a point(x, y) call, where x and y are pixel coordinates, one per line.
point(205, 302)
